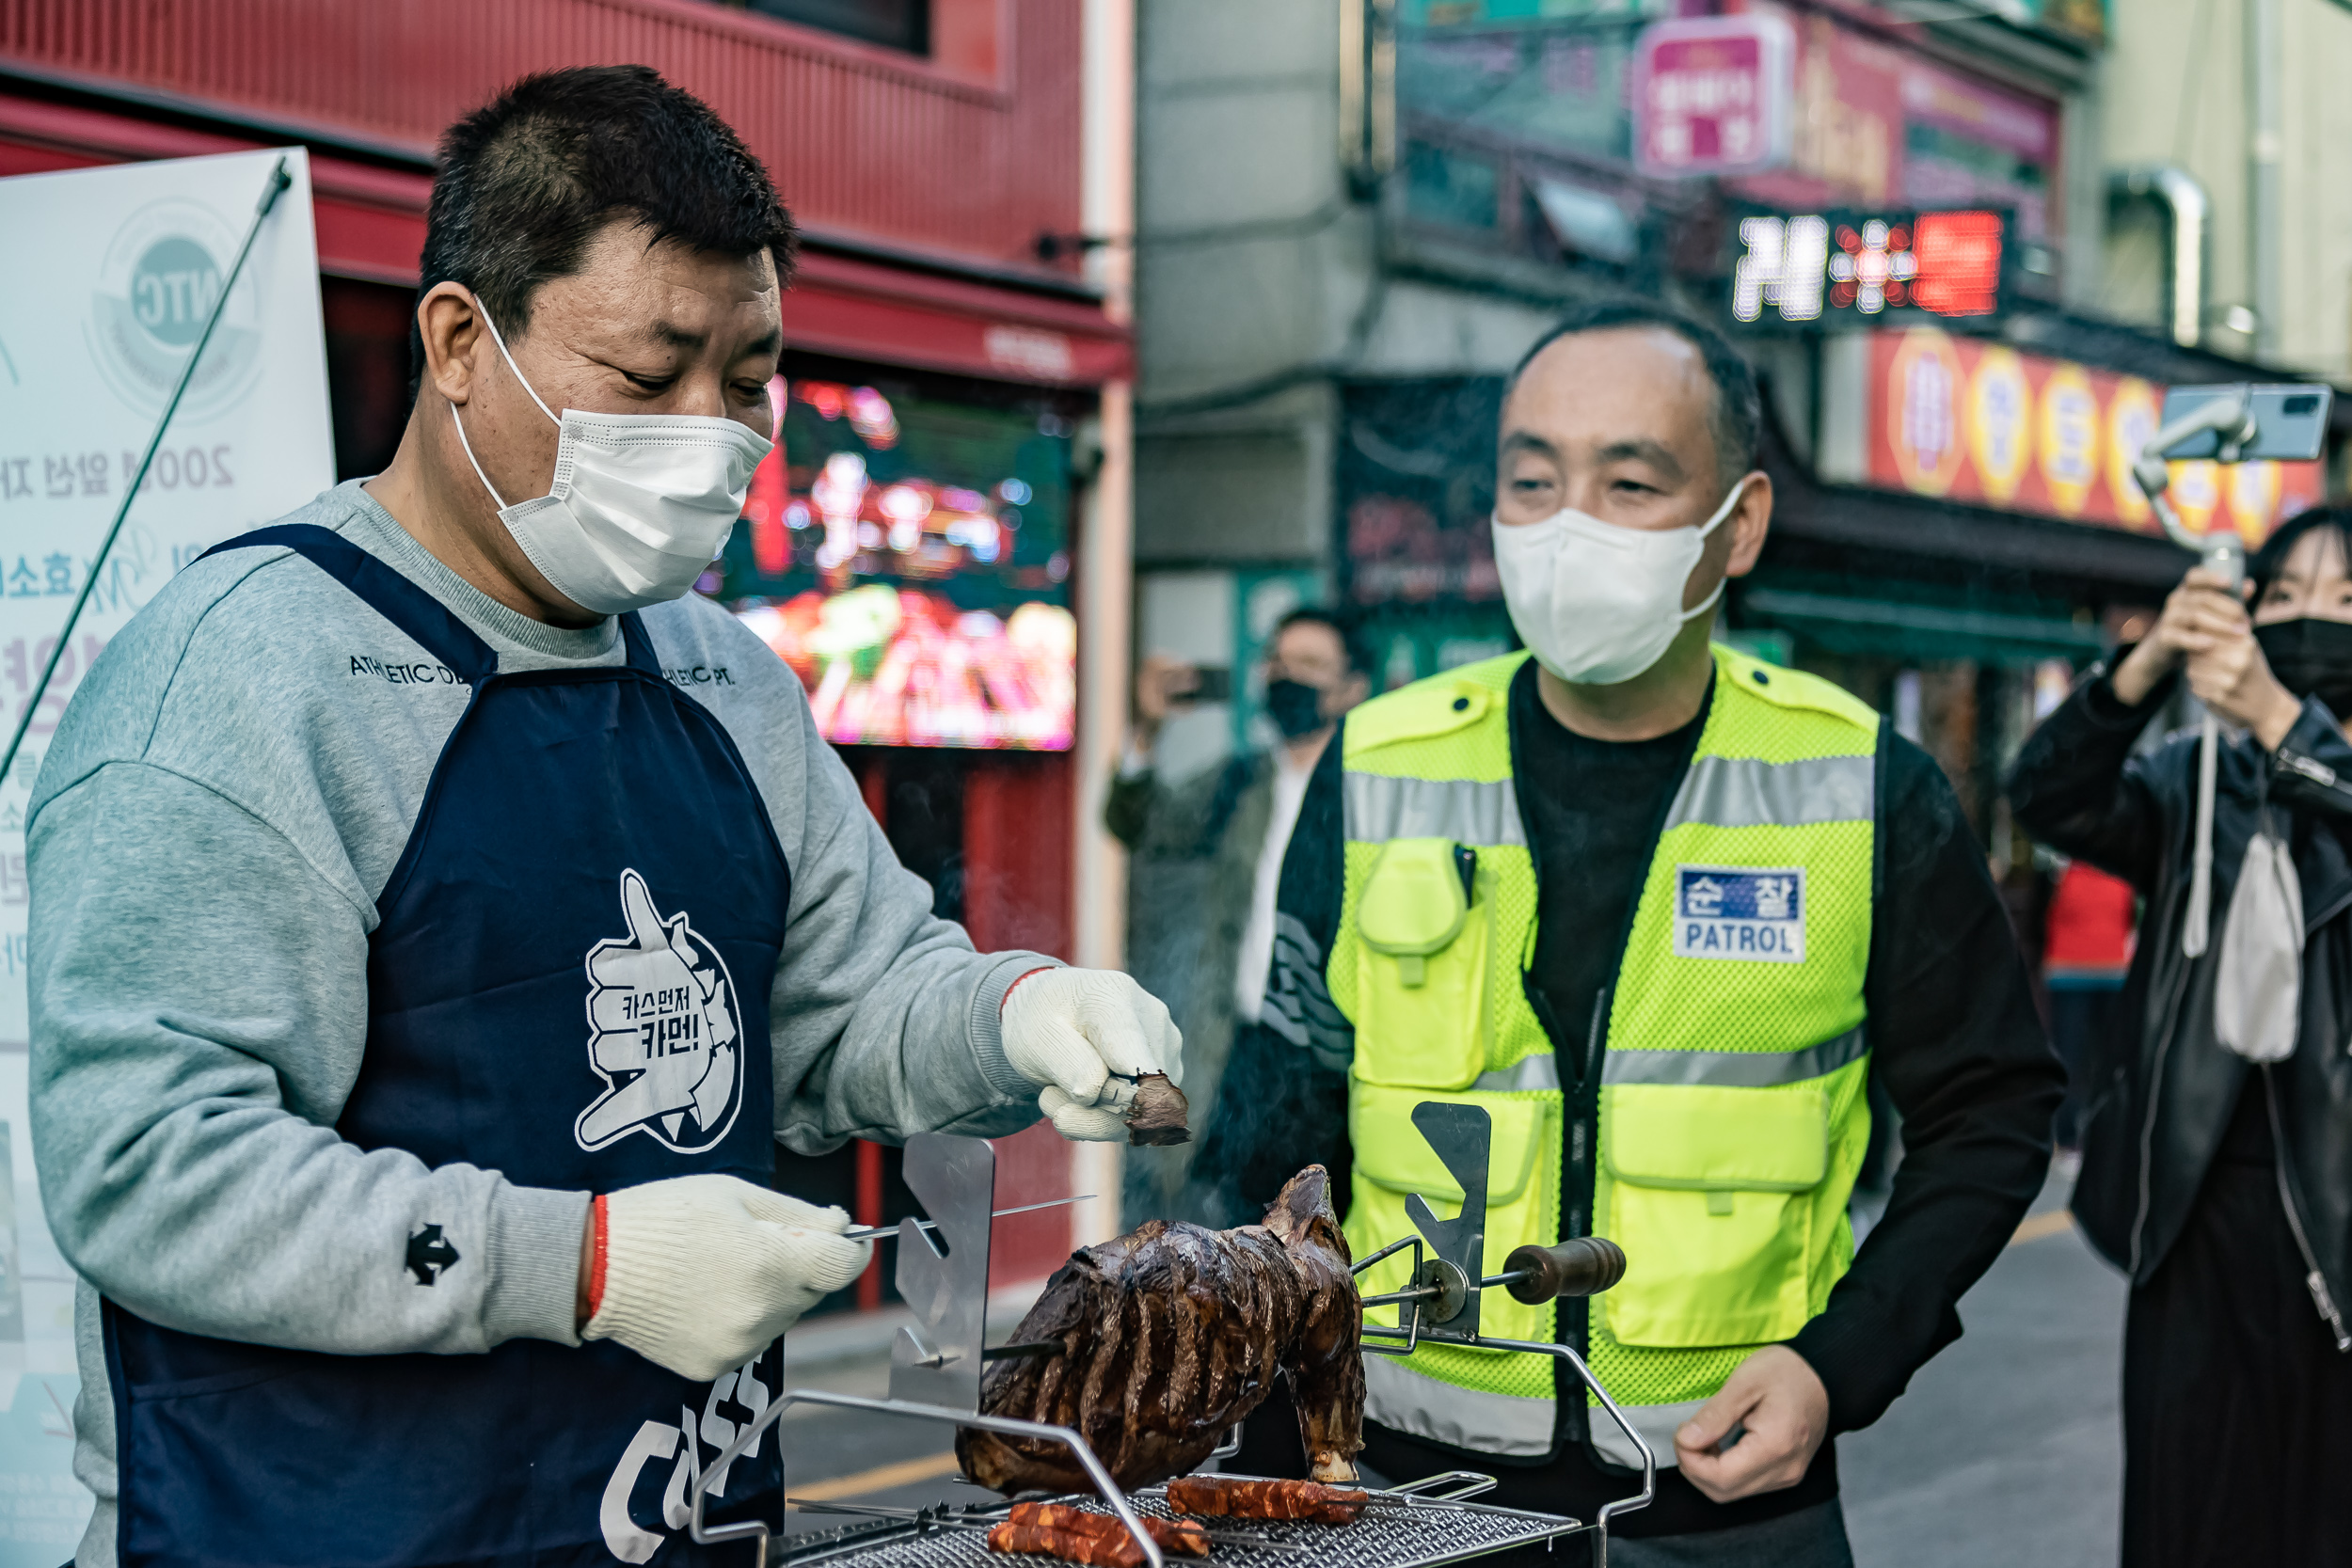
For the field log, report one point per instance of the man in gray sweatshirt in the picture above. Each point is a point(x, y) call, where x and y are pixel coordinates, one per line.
point(439, 915)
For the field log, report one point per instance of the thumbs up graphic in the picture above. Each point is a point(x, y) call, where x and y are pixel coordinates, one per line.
point(663, 1032)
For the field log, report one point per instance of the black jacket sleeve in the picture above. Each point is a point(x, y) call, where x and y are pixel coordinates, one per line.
point(1282, 1103)
point(2313, 766)
point(2077, 787)
point(1960, 1050)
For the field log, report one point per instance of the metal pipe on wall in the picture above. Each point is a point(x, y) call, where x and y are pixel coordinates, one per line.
point(2190, 215)
point(2265, 147)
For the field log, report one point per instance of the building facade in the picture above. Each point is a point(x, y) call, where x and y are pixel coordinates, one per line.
point(1353, 223)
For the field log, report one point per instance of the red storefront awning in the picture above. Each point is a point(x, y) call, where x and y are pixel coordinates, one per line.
point(371, 226)
point(868, 310)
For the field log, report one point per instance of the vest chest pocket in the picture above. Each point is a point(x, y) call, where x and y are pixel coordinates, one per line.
point(1420, 978)
point(1708, 1197)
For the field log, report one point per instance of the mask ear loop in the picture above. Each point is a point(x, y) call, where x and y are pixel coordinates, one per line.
point(497, 338)
point(460, 423)
point(1707, 528)
point(472, 459)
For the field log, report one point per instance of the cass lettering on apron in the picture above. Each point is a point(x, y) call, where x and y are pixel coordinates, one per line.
point(568, 985)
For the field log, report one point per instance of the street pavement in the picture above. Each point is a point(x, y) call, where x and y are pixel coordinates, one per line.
point(2005, 1450)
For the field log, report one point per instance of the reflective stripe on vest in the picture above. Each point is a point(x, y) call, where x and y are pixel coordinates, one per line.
point(1744, 1069)
point(1655, 1423)
point(1744, 792)
point(1467, 811)
point(1741, 978)
point(1400, 1397)
point(1750, 1069)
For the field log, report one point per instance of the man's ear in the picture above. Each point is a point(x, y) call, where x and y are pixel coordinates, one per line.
point(1750, 520)
point(451, 330)
point(1356, 688)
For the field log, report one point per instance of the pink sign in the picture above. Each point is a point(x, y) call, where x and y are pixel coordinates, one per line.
point(1711, 94)
point(1875, 126)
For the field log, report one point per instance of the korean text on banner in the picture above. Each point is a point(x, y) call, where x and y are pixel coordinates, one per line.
point(111, 274)
point(1970, 420)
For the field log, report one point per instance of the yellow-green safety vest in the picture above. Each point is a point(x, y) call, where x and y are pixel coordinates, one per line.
point(1731, 1114)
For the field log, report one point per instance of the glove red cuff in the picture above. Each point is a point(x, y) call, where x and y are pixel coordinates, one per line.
point(596, 1268)
point(1016, 985)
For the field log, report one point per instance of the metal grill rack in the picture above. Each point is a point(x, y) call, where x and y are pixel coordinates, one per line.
point(935, 1367)
point(1406, 1528)
point(936, 1362)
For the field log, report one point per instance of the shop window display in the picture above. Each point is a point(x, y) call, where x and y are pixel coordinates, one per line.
point(908, 557)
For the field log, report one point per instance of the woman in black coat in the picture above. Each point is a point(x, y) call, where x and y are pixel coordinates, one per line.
point(2223, 1186)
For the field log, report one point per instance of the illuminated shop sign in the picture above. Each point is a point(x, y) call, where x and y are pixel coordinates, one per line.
point(1808, 269)
point(1959, 418)
point(908, 559)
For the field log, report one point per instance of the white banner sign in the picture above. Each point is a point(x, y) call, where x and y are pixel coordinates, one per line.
point(109, 275)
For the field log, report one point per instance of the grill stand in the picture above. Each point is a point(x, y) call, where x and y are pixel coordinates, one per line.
point(1440, 1307)
point(1426, 1524)
point(935, 1365)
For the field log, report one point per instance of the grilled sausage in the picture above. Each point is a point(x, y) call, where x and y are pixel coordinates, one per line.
point(1102, 1551)
point(1226, 1496)
point(1176, 1537)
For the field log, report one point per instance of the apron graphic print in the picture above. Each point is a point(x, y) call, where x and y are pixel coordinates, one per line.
point(663, 1032)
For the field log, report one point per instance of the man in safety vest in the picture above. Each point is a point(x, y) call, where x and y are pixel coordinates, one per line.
point(1661, 911)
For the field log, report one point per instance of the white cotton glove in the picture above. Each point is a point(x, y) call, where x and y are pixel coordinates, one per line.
point(701, 1272)
point(1085, 1035)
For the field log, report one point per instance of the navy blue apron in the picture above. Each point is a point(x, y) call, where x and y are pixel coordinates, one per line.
point(568, 986)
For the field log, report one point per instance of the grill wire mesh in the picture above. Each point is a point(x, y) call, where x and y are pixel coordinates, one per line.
point(1386, 1535)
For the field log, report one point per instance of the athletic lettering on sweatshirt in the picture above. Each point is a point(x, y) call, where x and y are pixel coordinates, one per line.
point(397, 671)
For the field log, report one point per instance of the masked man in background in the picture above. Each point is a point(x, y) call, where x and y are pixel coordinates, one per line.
point(422, 981)
point(2216, 1168)
point(1659, 910)
point(1208, 852)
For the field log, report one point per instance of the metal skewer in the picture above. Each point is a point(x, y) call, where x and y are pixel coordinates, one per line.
point(878, 1233)
point(973, 1517)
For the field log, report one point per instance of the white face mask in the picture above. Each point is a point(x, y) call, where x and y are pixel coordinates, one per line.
point(639, 504)
point(1597, 603)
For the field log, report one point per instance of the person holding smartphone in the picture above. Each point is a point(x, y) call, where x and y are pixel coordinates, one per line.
point(1208, 854)
point(2215, 1167)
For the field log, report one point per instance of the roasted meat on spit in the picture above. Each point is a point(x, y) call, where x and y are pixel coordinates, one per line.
point(1172, 1334)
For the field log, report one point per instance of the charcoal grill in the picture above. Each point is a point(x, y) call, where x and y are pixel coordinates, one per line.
point(1410, 1526)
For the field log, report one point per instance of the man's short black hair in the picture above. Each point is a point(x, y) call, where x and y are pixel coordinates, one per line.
point(527, 181)
point(2268, 561)
point(1340, 626)
point(1739, 416)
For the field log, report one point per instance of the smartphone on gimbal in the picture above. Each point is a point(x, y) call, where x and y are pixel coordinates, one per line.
point(2290, 422)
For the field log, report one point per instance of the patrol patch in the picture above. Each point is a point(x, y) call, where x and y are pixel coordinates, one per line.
point(1739, 912)
point(663, 1032)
